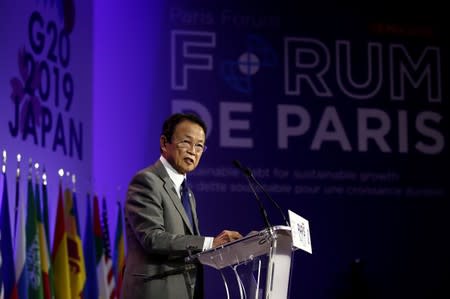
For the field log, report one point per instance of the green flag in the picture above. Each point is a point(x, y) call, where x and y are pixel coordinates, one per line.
point(33, 254)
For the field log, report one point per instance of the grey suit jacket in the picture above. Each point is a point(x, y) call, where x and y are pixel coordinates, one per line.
point(159, 237)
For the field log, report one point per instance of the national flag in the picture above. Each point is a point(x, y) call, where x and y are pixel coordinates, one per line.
point(2, 290)
point(101, 258)
point(6, 249)
point(45, 253)
point(60, 257)
point(74, 245)
point(1, 272)
point(51, 274)
point(91, 288)
point(108, 257)
point(33, 261)
point(20, 250)
point(1, 266)
point(119, 250)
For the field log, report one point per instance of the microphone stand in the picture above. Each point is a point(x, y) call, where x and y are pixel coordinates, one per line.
point(263, 211)
point(261, 207)
point(269, 197)
point(251, 178)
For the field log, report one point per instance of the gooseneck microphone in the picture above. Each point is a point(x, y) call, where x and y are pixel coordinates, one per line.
point(250, 177)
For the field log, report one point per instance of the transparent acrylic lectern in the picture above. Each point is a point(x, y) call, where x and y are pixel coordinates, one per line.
point(260, 263)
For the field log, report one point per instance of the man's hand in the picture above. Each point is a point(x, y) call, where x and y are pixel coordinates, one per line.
point(225, 237)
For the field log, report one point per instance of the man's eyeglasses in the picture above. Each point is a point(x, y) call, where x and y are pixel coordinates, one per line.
point(187, 144)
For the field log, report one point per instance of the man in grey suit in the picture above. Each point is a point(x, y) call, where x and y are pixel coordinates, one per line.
point(161, 229)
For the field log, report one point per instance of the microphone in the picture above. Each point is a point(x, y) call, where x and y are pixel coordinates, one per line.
point(248, 173)
point(244, 170)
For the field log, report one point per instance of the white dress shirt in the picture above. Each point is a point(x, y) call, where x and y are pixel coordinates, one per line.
point(177, 180)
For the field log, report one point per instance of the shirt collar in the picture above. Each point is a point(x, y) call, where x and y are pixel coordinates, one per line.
point(174, 175)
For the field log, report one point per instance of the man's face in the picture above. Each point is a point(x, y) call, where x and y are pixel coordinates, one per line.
point(183, 152)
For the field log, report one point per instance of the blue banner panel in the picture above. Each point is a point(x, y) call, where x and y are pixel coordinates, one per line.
point(342, 116)
point(46, 91)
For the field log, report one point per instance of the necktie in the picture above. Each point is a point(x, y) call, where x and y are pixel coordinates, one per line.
point(185, 201)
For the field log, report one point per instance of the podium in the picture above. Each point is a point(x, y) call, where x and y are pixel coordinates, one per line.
point(269, 253)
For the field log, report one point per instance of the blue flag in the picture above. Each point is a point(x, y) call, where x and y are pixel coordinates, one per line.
point(6, 249)
point(91, 288)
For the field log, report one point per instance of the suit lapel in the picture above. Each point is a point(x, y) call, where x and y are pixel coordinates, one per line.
point(170, 189)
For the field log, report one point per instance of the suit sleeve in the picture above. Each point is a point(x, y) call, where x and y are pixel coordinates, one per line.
point(155, 222)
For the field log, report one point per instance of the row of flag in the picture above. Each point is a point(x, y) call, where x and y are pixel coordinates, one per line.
point(73, 267)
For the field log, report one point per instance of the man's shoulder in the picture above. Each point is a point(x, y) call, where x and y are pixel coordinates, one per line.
point(155, 169)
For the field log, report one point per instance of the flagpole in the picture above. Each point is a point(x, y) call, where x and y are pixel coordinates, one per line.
point(75, 201)
point(16, 207)
point(30, 168)
point(74, 181)
point(4, 162)
point(36, 190)
point(67, 179)
point(45, 207)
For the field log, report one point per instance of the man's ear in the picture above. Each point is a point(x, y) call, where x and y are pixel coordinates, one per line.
point(162, 143)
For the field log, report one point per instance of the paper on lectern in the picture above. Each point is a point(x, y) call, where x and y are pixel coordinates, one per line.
point(301, 237)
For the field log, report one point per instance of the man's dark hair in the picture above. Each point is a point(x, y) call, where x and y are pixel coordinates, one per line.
point(172, 121)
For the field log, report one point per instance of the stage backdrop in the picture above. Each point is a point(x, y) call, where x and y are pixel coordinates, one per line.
point(46, 91)
point(342, 114)
point(340, 111)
